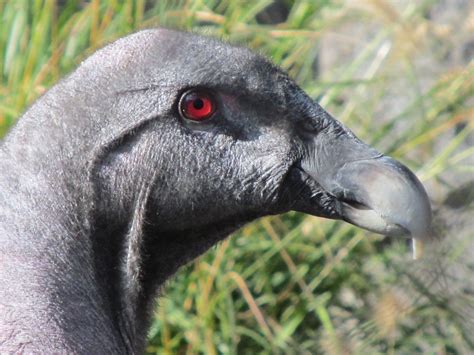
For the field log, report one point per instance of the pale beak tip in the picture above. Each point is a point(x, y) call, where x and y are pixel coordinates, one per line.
point(418, 248)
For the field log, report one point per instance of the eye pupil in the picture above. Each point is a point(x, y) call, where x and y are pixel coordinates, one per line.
point(197, 105)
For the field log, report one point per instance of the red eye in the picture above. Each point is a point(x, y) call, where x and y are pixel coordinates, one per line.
point(197, 105)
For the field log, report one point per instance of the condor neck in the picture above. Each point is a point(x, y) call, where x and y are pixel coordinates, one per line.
point(56, 271)
point(78, 270)
point(74, 271)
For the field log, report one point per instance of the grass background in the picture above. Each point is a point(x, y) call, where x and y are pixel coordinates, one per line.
point(399, 73)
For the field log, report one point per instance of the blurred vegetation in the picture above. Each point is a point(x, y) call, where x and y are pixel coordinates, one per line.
point(293, 283)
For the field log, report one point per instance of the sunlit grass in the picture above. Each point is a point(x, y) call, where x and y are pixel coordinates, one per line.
point(288, 284)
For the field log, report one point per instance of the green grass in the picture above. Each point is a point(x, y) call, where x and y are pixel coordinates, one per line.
point(292, 283)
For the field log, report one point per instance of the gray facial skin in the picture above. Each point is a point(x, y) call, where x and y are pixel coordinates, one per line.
point(106, 190)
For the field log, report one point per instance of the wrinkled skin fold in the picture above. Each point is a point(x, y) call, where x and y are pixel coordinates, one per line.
point(106, 190)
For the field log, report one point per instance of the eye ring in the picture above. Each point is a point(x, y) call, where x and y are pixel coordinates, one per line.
point(197, 105)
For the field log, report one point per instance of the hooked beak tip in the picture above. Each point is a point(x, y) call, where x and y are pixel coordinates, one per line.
point(385, 197)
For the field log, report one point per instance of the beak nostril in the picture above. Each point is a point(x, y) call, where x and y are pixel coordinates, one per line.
point(349, 198)
point(354, 204)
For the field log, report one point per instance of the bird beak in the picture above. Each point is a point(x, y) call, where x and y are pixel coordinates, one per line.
point(383, 196)
point(371, 191)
